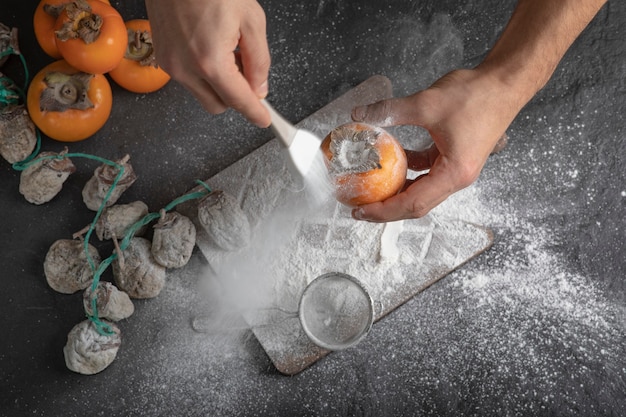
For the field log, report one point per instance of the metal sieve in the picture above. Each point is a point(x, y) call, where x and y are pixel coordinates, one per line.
point(336, 311)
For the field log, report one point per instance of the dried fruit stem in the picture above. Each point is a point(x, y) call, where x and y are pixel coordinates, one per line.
point(97, 188)
point(8, 41)
point(119, 251)
point(81, 233)
point(140, 48)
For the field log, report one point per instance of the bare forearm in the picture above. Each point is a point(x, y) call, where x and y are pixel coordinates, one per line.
point(536, 38)
point(467, 111)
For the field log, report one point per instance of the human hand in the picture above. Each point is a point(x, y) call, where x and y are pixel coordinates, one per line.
point(466, 113)
point(217, 49)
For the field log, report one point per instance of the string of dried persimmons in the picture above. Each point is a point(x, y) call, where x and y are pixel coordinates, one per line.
point(72, 265)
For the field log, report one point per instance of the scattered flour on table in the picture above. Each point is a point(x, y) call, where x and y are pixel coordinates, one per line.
point(517, 329)
point(522, 274)
point(520, 332)
point(538, 335)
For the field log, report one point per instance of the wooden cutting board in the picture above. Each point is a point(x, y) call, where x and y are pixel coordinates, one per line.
point(293, 243)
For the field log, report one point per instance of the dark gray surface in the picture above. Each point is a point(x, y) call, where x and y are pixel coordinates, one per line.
point(536, 326)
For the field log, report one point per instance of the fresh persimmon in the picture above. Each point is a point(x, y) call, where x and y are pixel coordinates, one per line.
point(68, 105)
point(366, 163)
point(44, 19)
point(138, 71)
point(91, 36)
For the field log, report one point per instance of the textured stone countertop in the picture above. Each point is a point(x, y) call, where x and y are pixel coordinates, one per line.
point(534, 326)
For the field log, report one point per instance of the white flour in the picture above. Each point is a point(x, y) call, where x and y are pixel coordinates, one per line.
point(518, 330)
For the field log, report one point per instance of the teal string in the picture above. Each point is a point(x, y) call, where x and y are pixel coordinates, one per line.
point(8, 86)
point(9, 94)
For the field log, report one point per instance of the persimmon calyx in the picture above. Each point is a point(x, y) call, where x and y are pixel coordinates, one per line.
point(82, 23)
point(166, 220)
point(107, 174)
point(60, 162)
point(140, 48)
point(65, 91)
point(8, 42)
point(353, 151)
point(54, 10)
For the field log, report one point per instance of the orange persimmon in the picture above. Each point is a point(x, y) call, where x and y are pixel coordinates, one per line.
point(91, 36)
point(44, 19)
point(68, 105)
point(138, 71)
point(366, 163)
